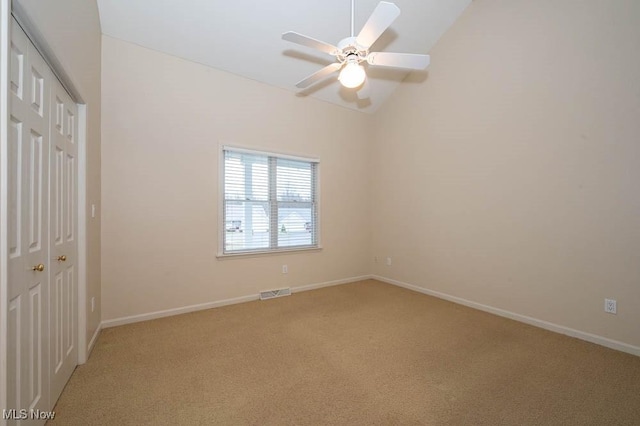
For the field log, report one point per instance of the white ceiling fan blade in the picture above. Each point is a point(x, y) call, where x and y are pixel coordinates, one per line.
point(399, 60)
point(365, 90)
point(310, 42)
point(381, 18)
point(319, 75)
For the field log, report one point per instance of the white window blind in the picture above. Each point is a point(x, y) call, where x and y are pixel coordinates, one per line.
point(269, 202)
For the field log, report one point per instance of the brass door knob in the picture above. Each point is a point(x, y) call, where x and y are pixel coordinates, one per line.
point(39, 267)
point(62, 258)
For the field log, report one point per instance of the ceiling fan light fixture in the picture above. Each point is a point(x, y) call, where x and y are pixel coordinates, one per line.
point(352, 75)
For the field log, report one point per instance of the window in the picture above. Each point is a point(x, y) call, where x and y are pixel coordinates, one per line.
point(269, 202)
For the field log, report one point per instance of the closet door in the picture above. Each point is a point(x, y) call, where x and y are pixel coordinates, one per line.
point(63, 238)
point(28, 340)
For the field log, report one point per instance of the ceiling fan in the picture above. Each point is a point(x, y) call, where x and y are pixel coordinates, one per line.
point(352, 51)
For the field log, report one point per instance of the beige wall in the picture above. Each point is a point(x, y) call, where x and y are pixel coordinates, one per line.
point(72, 30)
point(510, 176)
point(163, 119)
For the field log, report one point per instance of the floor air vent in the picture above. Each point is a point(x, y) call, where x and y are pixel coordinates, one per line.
point(270, 294)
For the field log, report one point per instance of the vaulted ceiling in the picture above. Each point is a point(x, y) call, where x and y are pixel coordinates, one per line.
point(244, 37)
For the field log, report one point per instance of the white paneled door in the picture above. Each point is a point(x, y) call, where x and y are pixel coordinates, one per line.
point(28, 366)
point(42, 188)
point(63, 239)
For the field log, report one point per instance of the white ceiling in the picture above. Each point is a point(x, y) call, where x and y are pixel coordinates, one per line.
point(244, 37)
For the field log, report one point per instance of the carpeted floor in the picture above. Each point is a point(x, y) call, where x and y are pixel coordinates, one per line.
point(357, 354)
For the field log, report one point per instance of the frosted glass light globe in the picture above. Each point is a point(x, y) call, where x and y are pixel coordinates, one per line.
point(352, 75)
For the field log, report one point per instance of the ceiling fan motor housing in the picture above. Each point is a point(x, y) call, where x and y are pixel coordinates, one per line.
point(349, 50)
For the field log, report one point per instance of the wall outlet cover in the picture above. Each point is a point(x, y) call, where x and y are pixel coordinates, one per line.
point(610, 306)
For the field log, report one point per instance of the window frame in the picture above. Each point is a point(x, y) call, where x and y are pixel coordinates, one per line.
point(221, 202)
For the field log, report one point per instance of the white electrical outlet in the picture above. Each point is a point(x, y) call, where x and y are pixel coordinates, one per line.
point(93, 210)
point(285, 269)
point(610, 306)
point(388, 261)
point(93, 304)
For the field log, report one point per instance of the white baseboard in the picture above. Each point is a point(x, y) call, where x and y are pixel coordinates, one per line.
point(94, 339)
point(215, 304)
point(329, 283)
point(176, 311)
point(593, 338)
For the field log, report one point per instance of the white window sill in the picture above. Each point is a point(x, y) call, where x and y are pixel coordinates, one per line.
point(245, 254)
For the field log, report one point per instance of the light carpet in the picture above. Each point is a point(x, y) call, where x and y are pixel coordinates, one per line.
point(365, 353)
